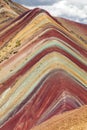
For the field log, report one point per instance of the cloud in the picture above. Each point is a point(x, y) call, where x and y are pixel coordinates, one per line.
point(36, 2)
point(78, 2)
point(72, 9)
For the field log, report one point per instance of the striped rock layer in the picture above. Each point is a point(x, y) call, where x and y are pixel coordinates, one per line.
point(43, 69)
point(9, 11)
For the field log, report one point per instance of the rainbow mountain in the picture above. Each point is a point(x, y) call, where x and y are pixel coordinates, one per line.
point(43, 69)
point(9, 10)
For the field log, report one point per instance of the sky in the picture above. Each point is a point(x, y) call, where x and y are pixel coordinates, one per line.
point(71, 9)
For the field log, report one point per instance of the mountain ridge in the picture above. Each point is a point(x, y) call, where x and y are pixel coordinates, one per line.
point(9, 11)
point(43, 69)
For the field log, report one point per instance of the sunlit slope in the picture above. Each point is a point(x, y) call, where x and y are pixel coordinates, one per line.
point(9, 11)
point(74, 120)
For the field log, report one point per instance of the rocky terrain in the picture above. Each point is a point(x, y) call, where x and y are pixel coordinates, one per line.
point(9, 11)
point(43, 70)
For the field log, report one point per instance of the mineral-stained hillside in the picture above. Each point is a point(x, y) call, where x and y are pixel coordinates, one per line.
point(73, 120)
point(43, 69)
point(9, 11)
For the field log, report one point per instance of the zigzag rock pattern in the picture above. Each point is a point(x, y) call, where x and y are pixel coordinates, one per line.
point(43, 69)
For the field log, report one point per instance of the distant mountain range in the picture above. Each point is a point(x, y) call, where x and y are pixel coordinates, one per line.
point(43, 68)
point(9, 11)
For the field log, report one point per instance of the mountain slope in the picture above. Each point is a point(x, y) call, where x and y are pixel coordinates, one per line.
point(9, 11)
point(77, 29)
point(43, 69)
point(74, 120)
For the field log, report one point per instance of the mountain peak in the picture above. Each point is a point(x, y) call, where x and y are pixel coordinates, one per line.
point(42, 67)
